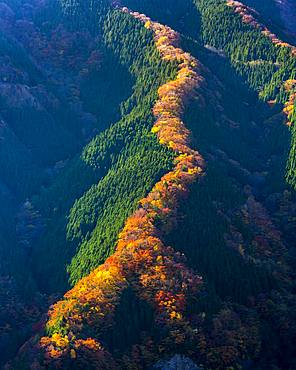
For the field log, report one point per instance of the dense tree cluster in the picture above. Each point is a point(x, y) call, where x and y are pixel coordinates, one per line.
point(248, 16)
point(264, 61)
point(289, 108)
point(141, 260)
point(116, 204)
point(287, 85)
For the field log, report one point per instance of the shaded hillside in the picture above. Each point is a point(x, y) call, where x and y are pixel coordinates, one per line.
point(144, 111)
point(277, 14)
point(49, 77)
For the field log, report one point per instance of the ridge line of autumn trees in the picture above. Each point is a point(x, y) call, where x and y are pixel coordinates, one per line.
point(288, 86)
point(141, 261)
point(247, 17)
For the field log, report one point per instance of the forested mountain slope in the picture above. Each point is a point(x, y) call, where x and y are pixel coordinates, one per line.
point(112, 118)
point(278, 15)
point(48, 116)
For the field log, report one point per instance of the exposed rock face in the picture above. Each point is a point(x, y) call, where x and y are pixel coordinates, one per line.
point(177, 362)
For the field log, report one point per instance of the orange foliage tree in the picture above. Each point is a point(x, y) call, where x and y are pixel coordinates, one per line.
point(155, 271)
point(248, 16)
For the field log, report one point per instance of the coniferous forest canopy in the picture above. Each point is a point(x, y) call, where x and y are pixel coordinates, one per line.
point(147, 184)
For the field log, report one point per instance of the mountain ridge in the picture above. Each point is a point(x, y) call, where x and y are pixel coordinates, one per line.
point(235, 225)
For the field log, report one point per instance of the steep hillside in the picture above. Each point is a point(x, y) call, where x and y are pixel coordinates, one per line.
point(49, 77)
point(150, 192)
point(141, 261)
point(126, 157)
point(277, 14)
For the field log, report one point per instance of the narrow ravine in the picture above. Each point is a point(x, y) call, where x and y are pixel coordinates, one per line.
point(141, 261)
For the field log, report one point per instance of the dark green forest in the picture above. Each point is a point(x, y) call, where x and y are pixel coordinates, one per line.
point(78, 84)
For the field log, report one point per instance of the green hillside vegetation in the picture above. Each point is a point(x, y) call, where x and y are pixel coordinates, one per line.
point(77, 154)
point(115, 170)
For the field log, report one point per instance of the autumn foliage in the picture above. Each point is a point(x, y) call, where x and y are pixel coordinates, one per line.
point(248, 17)
point(289, 108)
point(154, 271)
